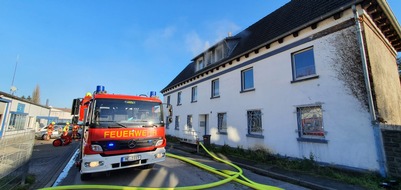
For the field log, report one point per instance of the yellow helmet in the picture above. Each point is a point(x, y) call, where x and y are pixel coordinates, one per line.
point(88, 94)
point(67, 123)
point(53, 122)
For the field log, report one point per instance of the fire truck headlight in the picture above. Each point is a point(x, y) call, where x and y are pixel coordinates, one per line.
point(96, 148)
point(94, 164)
point(160, 155)
point(159, 142)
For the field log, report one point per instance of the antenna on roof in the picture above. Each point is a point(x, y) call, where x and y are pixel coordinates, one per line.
point(13, 88)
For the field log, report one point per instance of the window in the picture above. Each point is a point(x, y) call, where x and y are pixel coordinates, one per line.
point(194, 94)
point(303, 64)
point(247, 79)
point(167, 122)
point(215, 88)
point(222, 122)
point(189, 121)
point(168, 101)
point(254, 122)
point(310, 122)
point(178, 98)
point(17, 121)
point(200, 65)
point(177, 122)
point(209, 58)
point(219, 53)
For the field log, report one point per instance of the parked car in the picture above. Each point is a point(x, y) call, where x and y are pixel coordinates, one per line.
point(58, 130)
point(42, 133)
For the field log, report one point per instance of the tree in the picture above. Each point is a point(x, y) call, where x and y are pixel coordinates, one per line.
point(36, 95)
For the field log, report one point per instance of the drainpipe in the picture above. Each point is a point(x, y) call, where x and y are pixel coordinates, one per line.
point(375, 124)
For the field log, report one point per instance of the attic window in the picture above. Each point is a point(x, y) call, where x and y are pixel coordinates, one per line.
point(200, 64)
point(219, 53)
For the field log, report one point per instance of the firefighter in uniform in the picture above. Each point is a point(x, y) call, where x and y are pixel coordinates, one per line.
point(67, 139)
point(74, 131)
point(50, 129)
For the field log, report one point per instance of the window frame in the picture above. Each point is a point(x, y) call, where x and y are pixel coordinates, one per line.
point(200, 64)
point(177, 122)
point(250, 118)
point(213, 91)
point(303, 119)
point(194, 94)
point(295, 72)
point(243, 80)
point(189, 121)
point(179, 98)
point(222, 123)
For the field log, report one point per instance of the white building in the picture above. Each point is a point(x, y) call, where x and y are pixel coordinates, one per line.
point(17, 114)
point(295, 84)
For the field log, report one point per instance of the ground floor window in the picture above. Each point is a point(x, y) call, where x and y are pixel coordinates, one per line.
point(255, 122)
point(310, 122)
point(222, 122)
point(177, 122)
point(189, 121)
point(17, 121)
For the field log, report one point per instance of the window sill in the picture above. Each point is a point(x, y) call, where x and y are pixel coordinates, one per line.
point(194, 101)
point(305, 78)
point(323, 141)
point(179, 104)
point(176, 129)
point(214, 97)
point(247, 90)
point(221, 133)
point(255, 136)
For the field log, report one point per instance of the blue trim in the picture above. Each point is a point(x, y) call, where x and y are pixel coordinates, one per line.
point(264, 56)
point(19, 113)
point(323, 141)
point(2, 127)
point(255, 136)
point(5, 100)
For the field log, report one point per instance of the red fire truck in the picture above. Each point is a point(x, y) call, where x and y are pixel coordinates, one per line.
point(120, 131)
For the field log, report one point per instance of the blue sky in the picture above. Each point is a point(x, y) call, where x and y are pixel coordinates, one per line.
point(130, 47)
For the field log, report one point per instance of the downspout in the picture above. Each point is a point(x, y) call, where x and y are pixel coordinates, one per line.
point(375, 124)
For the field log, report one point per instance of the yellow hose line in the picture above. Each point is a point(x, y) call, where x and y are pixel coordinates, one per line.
point(228, 174)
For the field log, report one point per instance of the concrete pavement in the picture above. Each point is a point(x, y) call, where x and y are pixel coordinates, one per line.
point(48, 162)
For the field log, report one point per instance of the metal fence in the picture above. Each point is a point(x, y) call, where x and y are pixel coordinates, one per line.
point(15, 152)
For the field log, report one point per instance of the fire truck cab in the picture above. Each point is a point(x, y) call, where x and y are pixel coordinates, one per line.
point(120, 131)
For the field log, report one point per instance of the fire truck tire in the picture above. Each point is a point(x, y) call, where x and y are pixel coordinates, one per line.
point(85, 177)
point(57, 142)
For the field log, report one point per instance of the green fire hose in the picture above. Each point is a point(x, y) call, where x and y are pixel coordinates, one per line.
point(227, 174)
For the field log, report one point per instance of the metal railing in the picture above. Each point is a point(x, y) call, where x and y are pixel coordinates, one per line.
point(15, 152)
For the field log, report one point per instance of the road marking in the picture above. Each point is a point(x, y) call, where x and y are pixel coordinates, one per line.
point(67, 168)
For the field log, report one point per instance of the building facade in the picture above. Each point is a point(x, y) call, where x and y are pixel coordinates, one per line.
point(17, 114)
point(312, 79)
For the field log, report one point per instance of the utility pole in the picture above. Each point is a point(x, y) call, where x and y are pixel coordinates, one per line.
point(13, 88)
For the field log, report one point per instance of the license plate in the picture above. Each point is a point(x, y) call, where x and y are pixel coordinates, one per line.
point(130, 158)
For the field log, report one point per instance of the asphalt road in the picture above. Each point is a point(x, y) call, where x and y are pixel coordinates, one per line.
point(48, 163)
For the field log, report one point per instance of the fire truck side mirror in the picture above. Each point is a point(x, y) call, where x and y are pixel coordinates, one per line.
point(75, 106)
point(169, 119)
point(170, 110)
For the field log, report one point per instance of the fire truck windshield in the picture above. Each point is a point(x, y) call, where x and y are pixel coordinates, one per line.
point(114, 113)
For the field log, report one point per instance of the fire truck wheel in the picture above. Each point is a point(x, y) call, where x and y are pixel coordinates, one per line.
point(85, 177)
point(57, 142)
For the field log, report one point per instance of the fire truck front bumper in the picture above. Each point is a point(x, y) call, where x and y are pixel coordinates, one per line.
point(97, 163)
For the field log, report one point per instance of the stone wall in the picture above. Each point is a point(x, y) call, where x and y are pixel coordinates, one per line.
point(392, 148)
